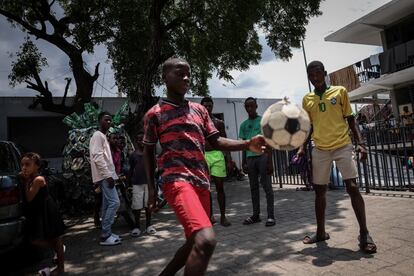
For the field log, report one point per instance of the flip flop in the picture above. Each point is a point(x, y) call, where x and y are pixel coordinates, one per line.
point(270, 222)
point(135, 232)
point(251, 220)
point(366, 243)
point(151, 230)
point(225, 222)
point(314, 238)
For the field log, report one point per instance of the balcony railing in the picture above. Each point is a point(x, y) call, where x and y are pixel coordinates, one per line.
point(387, 62)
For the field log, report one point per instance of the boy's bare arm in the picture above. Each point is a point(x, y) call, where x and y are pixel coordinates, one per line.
point(361, 148)
point(256, 144)
point(149, 162)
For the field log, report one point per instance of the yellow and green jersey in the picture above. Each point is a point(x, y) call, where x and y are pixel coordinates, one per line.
point(328, 113)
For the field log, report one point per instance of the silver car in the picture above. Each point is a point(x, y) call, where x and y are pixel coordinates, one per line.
point(11, 213)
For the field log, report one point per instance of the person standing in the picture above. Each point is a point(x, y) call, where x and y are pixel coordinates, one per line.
point(44, 225)
point(138, 180)
point(257, 166)
point(182, 127)
point(104, 176)
point(331, 116)
point(216, 162)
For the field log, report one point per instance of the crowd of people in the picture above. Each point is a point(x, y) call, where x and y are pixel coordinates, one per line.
point(194, 152)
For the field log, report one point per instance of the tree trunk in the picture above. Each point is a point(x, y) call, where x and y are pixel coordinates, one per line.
point(84, 81)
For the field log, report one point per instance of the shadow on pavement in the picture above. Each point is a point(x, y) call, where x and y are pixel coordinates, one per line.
point(241, 249)
point(326, 255)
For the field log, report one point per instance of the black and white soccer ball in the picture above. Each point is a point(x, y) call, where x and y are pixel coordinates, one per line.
point(285, 125)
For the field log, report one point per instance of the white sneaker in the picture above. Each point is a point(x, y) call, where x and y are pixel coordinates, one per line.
point(135, 232)
point(117, 236)
point(111, 240)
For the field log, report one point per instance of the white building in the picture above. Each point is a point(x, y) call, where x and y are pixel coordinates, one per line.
point(390, 74)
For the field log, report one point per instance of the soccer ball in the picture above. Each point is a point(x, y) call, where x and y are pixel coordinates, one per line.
point(285, 125)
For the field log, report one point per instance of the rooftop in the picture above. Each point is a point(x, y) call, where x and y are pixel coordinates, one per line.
point(367, 29)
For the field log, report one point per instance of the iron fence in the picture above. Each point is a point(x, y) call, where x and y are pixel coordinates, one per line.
point(388, 166)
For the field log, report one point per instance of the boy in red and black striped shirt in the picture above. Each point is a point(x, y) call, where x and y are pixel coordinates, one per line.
point(182, 128)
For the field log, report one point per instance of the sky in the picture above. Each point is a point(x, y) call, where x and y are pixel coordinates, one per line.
point(271, 78)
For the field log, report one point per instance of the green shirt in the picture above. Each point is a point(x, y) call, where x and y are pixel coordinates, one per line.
point(249, 129)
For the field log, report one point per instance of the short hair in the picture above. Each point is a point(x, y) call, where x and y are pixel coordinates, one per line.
point(314, 64)
point(206, 100)
point(102, 114)
point(35, 157)
point(169, 63)
point(250, 99)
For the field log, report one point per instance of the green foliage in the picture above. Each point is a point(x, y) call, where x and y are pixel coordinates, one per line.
point(29, 63)
point(74, 27)
point(215, 36)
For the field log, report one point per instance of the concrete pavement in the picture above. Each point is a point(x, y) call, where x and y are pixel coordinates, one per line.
point(259, 250)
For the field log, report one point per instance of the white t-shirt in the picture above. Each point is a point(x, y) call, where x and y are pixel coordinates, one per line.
point(102, 166)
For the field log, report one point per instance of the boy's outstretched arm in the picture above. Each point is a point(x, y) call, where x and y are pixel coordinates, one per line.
point(149, 162)
point(256, 144)
point(361, 148)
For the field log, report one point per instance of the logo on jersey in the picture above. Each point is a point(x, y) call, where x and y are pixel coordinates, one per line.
point(333, 101)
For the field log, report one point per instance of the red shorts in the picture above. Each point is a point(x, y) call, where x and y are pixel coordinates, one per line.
point(191, 205)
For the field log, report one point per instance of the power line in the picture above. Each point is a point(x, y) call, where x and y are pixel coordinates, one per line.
point(106, 89)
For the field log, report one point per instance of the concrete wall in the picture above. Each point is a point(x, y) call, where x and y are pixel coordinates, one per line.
point(232, 109)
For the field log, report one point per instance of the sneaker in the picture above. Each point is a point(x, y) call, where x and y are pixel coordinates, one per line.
point(135, 232)
point(111, 240)
point(270, 222)
point(117, 236)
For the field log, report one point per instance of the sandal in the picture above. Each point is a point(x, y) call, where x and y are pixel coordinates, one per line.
point(135, 232)
point(270, 222)
point(366, 243)
point(44, 272)
point(111, 240)
point(314, 238)
point(151, 230)
point(224, 222)
point(251, 220)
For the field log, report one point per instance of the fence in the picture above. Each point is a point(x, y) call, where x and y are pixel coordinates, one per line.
point(388, 167)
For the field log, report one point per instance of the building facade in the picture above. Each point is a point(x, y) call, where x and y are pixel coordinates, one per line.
point(387, 77)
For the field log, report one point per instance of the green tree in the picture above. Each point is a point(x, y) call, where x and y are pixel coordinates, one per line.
point(27, 69)
point(214, 36)
point(72, 26)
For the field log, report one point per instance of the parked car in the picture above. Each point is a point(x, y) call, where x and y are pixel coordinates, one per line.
point(11, 210)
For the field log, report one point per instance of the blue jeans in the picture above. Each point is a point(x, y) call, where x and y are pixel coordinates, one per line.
point(110, 204)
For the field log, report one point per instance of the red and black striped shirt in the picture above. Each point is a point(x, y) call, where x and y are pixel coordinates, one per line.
point(182, 131)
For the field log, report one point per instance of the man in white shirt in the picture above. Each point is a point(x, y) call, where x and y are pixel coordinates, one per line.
point(104, 175)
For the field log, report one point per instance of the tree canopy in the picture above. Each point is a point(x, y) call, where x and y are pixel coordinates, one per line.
point(215, 36)
point(74, 27)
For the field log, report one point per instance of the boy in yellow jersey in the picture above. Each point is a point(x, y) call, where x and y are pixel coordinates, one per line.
point(331, 115)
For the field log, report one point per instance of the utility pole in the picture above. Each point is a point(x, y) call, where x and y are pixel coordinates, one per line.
point(306, 65)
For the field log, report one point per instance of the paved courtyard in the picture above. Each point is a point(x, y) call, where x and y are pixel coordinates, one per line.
point(259, 250)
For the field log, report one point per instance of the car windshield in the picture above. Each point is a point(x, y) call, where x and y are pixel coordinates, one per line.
point(7, 159)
